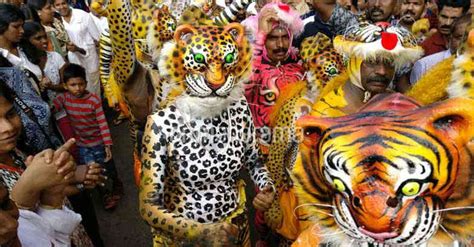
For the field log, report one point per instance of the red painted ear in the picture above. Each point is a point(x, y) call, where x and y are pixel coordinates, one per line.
point(310, 129)
point(389, 40)
point(452, 118)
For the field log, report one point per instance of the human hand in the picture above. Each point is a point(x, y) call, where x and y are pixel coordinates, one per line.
point(90, 175)
point(74, 48)
point(108, 153)
point(266, 19)
point(221, 234)
point(45, 83)
point(50, 168)
point(264, 199)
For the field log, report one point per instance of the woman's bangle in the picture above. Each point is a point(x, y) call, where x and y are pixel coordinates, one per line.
point(23, 207)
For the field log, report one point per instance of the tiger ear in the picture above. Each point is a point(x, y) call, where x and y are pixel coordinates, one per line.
point(453, 118)
point(184, 32)
point(236, 31)
point(310, 129)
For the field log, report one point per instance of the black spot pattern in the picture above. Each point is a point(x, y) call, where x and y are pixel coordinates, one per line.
point(196, 173)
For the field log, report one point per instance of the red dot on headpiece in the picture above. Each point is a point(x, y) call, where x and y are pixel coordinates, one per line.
point(389, 40)
point(284, 7)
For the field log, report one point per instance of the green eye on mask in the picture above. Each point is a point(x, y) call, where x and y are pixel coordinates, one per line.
point(199, 58)
point(229, 58)
point(332, 71)
point(173, 26)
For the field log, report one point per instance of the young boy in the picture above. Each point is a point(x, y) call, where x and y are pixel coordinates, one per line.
point(87, 120)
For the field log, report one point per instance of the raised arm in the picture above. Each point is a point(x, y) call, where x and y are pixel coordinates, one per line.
point(229, 14)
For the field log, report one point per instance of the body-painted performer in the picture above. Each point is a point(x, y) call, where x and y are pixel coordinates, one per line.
point(375, 53)
point(141, 88)
point(275, 67)
point(406, 169)
point(275, 64)
point(372, 66)
point(322, 63)
point(194, 148)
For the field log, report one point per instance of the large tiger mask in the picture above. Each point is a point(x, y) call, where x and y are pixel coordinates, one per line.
point(390, 177)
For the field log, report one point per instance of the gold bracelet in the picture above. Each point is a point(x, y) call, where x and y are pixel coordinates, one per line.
point(21, 206)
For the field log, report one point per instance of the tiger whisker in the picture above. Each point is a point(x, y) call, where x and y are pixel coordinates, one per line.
point(319, 205)
point(328, 234)
point(446, 231)
point(352, 242)
point(453, 209)
point(310, 204)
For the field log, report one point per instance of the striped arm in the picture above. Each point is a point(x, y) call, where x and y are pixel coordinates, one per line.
point(105, 57)
point(105, 62)
point(229, 14)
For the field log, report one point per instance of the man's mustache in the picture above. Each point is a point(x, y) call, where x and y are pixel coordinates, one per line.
point(379, 78)
point(278, 50)
point(445, 26)
point(376, 10)
point(408, 12)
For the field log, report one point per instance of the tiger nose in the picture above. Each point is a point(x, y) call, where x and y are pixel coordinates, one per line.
point(215, 75)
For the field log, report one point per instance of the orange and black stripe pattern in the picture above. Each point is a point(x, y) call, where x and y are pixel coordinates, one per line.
point(382, 176)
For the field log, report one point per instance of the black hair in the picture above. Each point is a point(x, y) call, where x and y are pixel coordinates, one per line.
point(4, 62)
point(466, 18)
point(30, 14)
point(6, 92)
point(72, 71)
point(31, 28)
point(464, 4)
point(37, 4)
point(32, 53)
point(355, 3)
point(9, 13)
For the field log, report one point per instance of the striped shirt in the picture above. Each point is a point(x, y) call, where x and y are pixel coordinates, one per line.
point(87, 118)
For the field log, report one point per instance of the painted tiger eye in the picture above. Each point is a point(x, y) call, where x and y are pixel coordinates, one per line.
point(339, 185)
point(199, 58)
point(411, 188)
point(270, 96)
point(332, 71)
point(229, 58)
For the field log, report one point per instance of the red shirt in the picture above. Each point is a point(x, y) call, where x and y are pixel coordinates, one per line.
point(434, 44)
point(87, 118)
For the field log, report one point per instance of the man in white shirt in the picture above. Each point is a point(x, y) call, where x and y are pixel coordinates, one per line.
point(84, 33)
point(458, 32)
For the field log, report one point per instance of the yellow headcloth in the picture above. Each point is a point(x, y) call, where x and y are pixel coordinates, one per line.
point(372, 41)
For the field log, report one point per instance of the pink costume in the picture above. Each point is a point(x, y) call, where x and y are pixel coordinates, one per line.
point(267, 80)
